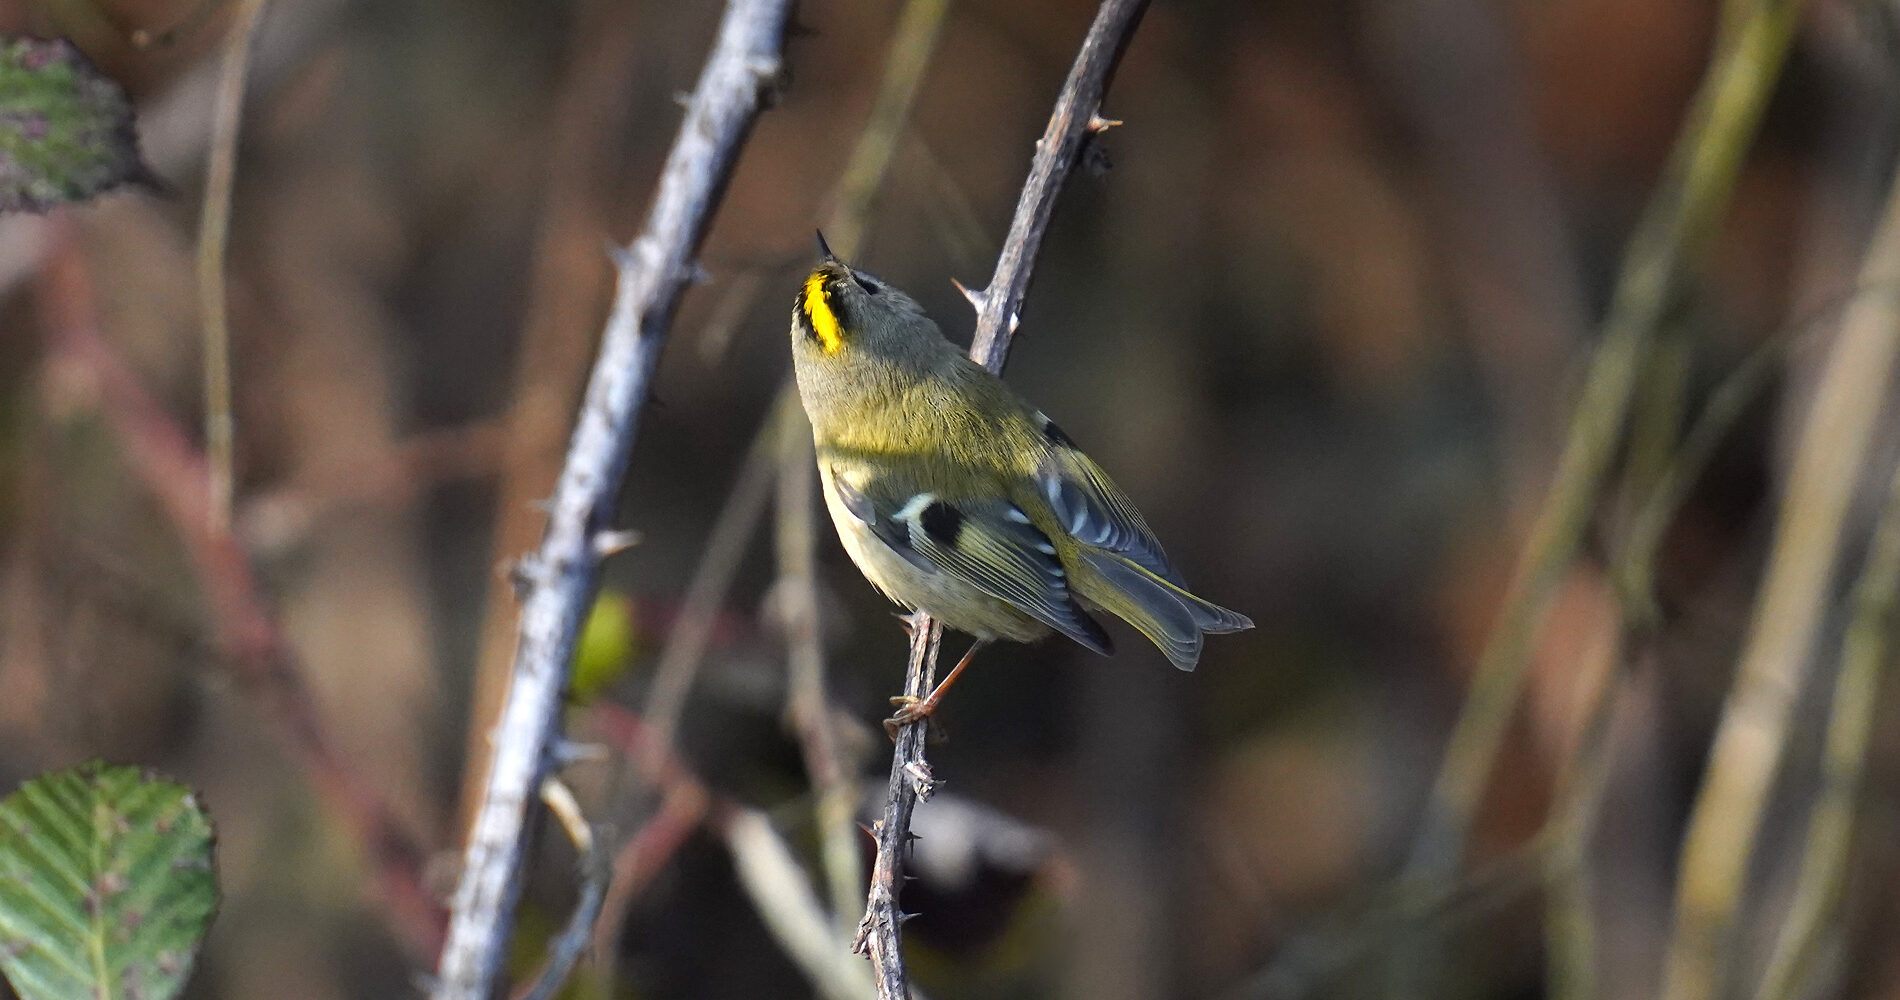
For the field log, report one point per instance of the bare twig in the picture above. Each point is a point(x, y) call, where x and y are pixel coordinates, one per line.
point(653, 273)
point(733, 528)
point(1864, 658)
point(1077, 116)
point(567, 946)
point(910, 781)
point(1746, 754)
point(683, 807)
point(1697, 182)
point(767, 871)
point(783, 897)
point(214, 229)
point(565, 285)
point(245, 626)
point(833, 781)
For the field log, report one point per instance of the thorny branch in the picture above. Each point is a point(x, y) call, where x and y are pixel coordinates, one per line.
point(911, 47)
point(560, 578)
point(1076, 117)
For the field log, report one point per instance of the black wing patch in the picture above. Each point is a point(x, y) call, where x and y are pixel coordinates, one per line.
point(994, 548)
point(888, 531)
point(942, 522)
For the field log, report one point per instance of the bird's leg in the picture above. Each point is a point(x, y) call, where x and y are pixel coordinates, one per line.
point(910, 708)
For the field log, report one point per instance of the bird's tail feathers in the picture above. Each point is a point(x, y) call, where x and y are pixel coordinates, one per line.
point(1173, 619)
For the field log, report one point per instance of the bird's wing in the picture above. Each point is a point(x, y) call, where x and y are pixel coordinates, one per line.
point(1089, 506)
point(989, 544)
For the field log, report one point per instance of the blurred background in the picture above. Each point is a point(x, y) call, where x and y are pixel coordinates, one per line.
point(1324, 318)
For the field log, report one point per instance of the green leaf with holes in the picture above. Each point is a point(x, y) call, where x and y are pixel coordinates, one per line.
point(66, 130)
point(106, 885)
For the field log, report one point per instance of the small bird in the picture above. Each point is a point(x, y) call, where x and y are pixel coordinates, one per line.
point(958, 499)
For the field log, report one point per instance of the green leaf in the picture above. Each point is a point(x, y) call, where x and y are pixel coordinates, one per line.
point(609, 639)
point(66, 130)
point(106, 885)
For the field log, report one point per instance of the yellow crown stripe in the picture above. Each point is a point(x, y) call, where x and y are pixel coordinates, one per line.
point(824, 322)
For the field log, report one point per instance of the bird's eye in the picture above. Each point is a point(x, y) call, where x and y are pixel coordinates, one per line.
point(870, 287)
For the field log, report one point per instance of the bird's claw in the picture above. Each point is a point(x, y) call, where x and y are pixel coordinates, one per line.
point(910, 708)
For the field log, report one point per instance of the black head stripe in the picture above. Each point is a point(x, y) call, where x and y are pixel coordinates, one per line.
point(835, 300)
point(801, 318)
point(942, 523)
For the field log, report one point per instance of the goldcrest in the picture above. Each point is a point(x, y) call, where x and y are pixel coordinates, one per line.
point(958, 499)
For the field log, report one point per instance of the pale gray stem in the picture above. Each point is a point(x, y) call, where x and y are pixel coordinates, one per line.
point(560, 578)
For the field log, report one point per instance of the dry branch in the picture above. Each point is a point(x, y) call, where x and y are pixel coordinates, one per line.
point(1832, 453)
point(1865, 658)
point(1674, 229)
point(1076, 117)
point(214, 231)
point(1696, 185)
point(653, 273)
point(565, 285)
point(912, 44)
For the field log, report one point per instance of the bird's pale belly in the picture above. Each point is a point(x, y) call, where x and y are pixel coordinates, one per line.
point(958, 605)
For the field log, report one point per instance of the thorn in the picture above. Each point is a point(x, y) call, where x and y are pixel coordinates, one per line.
point(683, 99)
point(905, 918)
point(870, 829)
point(521, 576)
point(623, 257)
point(696, 273)
point(565, 752)
point(1015, 320)
point(912, 835)
point(607, 543)
point(976, 296)
point(1097, 124)
point(764, 68)
point(824, 249)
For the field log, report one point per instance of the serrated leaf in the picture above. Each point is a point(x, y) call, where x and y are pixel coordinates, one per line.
point(106, 885)
point(66, 130)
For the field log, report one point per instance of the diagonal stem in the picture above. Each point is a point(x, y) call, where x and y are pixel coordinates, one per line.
point(1075, 119)
point(560, 578)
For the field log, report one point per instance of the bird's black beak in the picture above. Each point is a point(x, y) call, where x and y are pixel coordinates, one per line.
point(824, 249)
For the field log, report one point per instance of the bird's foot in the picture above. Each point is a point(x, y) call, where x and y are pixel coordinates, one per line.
point(911, 708)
